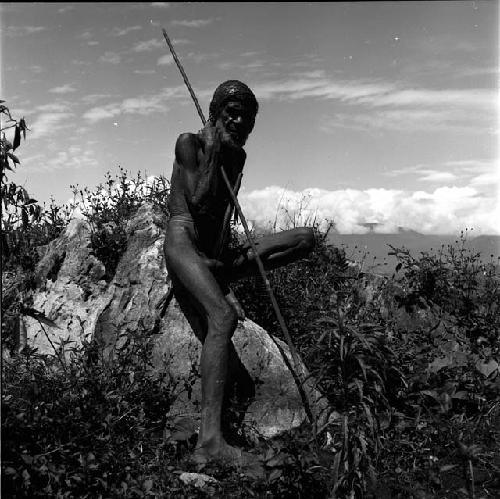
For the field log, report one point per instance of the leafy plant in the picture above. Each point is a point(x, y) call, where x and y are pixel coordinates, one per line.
point(110, 205)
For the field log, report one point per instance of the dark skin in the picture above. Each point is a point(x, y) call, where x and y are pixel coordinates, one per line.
point(201, 272)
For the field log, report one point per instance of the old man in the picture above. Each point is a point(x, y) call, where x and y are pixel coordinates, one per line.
point(201, 263)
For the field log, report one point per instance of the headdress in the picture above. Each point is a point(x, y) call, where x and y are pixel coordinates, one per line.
point(232, 90)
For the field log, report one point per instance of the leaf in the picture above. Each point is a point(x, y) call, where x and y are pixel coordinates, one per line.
point(17, 138)
point(487, 368)
point(147, 485)
point(275, 474)
point(14, 158)
point(183, 429)
point(22, 125)
point(437, 364)
point(447, 467)
point(24, 217)
point(278, 460)
point(26, 458)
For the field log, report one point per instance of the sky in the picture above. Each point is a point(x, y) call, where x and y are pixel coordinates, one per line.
point(380, 112)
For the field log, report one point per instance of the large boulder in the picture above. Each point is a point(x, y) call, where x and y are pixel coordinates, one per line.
point(74, 295)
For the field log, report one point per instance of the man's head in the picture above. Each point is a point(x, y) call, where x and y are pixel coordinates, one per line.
point(233, 108)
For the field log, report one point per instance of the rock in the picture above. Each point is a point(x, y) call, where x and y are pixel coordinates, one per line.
point(199, 480)
point(73, 294)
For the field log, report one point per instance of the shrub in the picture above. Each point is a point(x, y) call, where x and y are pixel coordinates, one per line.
point(110, 205)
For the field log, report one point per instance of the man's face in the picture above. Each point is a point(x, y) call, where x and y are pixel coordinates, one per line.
point(235, 121)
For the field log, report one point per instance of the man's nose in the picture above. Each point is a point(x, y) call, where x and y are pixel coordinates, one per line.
point(236, 119)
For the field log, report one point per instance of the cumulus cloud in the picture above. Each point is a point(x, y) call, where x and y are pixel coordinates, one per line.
point(48, 123)
point(194, 57)
point(63, 89)
point(86, 35)
point(157, 43)
point(140, 105)
point(377, 104)
point(124, 31)
point(193, 23)
point(73, 157)
point(148, 45)
point(437, 176)
point(13, 31)
point(66, 8)
point(160, 5)
point(165, 60)
point(483, 173)
point(110, 57)
point(445, 210)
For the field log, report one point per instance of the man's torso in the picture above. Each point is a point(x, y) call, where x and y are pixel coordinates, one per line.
point(208, 218)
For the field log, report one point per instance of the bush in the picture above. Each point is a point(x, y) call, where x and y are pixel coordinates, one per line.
point(110, 205)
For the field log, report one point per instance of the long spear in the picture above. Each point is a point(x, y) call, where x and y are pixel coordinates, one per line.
point(297, 373)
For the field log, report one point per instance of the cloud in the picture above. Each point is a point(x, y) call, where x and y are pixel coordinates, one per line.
point(194, 23)
point(195, 57)
point(165, 60)
point(124, 31)
point(374, 94)
point(481, 173)
point(140, 105)
point(445, 210)
point(13, 31)
point(36, 69)
point(374, 105)
point(161, 5)
point(92, 98)
point(86, 35)
point(71, 158)
point(53, 107)
point(157, 43)
point(437, 176)
point(66, 8)
point(48, 123)
point(148, 45)
point(110, 57)
point(63, 89)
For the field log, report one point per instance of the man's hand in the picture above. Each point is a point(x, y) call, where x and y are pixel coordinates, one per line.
point(233, 301)
point(211, 138)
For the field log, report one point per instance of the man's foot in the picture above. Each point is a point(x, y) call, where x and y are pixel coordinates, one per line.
point(225, 453)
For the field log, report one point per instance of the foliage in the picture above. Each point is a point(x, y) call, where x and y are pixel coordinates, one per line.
point(26, 228)
point(408, 364)
point(83, 426)
point(110, 205)
point(398, 358)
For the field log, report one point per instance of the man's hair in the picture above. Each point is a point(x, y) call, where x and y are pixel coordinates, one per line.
point(232, 90)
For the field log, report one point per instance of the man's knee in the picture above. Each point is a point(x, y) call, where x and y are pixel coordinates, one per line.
point(306, 239)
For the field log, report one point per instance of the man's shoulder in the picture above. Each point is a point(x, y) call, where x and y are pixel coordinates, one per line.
point(188, 139)
point(187, 144)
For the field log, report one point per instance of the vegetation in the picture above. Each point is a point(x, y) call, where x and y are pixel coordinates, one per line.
point(408, 363)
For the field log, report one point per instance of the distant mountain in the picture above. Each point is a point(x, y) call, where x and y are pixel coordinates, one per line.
point(373, 248)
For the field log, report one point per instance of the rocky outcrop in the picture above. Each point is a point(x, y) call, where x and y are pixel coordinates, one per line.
point(73, 294)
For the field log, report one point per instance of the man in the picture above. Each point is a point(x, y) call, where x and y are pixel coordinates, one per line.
point(200, 262)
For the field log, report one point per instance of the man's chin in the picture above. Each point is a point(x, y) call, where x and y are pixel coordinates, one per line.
point(233, 143)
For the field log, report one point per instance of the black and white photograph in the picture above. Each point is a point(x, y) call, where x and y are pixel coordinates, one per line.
point(250, 250)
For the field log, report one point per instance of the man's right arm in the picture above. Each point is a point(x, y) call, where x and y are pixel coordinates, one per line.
point(198, 162)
